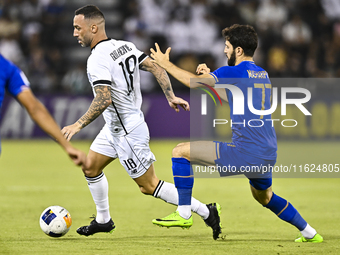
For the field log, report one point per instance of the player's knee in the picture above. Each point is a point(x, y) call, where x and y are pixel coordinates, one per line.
point(176, 152)
point(263, 200)
point(263, 196)
point(90, 171)
point(181, 150)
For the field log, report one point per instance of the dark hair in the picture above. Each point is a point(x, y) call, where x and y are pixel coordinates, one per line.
point(89, 12)
point(243, 36)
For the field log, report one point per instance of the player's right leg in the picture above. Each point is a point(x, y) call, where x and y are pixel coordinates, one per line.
point(283, 209)
point(98, 186)
point(100, 155)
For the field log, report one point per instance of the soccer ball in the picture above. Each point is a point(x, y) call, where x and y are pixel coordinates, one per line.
point(55, 221)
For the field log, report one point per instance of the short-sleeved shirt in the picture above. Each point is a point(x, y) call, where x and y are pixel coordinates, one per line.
point(12, 79)
point(259, 141)
point(115, 64)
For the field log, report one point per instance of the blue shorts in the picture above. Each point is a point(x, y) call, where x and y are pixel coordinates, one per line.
point(230, 161)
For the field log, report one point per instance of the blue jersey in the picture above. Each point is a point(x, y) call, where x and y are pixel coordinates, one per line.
point(252, 134)
point(12, 79)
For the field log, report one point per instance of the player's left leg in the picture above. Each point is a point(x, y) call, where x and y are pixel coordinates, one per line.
point(149, 184)
point(283, 209)
point(136, 157)
point(183, 154)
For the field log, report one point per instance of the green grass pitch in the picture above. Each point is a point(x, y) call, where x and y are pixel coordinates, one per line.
point(37, 174)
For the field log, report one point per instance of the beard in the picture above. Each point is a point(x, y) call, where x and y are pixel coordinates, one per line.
point(86, 42)
point(232, 59)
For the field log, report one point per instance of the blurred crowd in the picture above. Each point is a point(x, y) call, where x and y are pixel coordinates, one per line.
point(29, 37)
point(297, 38)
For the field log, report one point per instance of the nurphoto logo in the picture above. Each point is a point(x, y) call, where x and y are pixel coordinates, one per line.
point(238, 103)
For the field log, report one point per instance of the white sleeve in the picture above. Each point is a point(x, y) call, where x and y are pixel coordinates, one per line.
point(99, 71)
point(139, 54)
point(142, 57)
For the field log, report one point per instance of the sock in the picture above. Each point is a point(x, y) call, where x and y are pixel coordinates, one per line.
point(168, 193)
point(285, 211)
point(308, 232)
point(184, 182)
point(201, 210)
point(184, 211)
point(99, 189)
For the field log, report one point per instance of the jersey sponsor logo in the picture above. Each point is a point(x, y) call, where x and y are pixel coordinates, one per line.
point(115, 54)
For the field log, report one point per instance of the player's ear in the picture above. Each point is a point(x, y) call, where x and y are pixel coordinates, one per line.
point(94, 28)
point(239, 51)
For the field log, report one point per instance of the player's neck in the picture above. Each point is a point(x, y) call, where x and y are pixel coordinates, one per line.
point(243, 58)
point(98, 38)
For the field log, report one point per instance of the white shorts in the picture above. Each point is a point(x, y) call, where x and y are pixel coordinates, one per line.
point(132, 149)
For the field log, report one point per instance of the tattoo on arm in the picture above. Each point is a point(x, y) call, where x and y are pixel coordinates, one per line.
point(160, 75)
point(98, 105)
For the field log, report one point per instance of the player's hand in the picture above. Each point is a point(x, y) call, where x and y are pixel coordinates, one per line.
point(160, 58)
point(177, 101)
point(78, 157)
point(202, 69)
point(70, 131)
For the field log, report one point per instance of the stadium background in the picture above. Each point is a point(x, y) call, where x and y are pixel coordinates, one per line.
point(297, 38)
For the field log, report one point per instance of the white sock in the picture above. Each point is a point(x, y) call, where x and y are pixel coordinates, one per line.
point(184, 211)
point(99, 189)
point(308, 232)
point(201, 210)
point(168, 192)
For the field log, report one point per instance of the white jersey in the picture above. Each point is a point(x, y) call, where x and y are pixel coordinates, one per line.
point(116, 64)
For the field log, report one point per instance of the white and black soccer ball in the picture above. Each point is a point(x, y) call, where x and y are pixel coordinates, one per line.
point(55, 221)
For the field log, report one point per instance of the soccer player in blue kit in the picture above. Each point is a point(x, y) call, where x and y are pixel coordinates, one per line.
point(14, 81)
point(249, 147)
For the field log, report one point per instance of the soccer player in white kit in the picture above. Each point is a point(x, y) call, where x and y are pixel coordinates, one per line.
point(113, 72)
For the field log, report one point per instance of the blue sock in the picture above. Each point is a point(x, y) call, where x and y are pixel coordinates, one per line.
point(285, 211)
point(184, 179)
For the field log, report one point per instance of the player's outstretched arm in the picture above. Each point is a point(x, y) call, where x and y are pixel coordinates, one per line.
point(204, 69)
point(164, 82)
point(101, 101)
point(162, 59)
point(42, 117)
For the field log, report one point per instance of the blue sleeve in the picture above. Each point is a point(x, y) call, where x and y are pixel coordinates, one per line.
point(17, 81)
point(222, 72)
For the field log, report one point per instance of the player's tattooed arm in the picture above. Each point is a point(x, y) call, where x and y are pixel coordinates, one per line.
point(98, 105)
point(101, 101)
point(160, 75)
point(164, 82)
